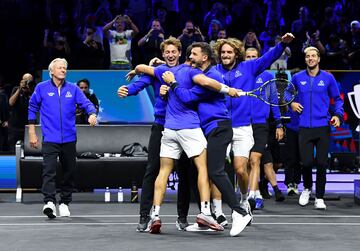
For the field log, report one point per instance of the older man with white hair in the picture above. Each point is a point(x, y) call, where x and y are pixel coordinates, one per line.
point(56, 100)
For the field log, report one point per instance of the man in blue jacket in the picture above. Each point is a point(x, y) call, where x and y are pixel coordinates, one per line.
point(56, 100)
point(241, 74)
point(171, 51)
point(315, 89)
point(260, 113)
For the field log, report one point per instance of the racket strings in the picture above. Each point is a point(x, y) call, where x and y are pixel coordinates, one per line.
point(277, 92)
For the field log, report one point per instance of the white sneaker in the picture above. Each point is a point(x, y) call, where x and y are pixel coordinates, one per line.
point(246, 206)
point(320, 204)
point(49, 210)
point(196, 228)
point(304, 197)
point(239, 222)
point(64, 210)
point(207, 220)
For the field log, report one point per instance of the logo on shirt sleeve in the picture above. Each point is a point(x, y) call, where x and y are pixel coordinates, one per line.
point(259, 81)
point(68, 94)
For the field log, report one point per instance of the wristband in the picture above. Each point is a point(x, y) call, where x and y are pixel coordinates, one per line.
point(224, 89)
point(173, 85)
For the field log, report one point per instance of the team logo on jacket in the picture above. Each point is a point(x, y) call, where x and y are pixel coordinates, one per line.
point(303, 82)
point(238, 74)
point(68, 95)
point(321, 83)
point(51, 94)
point(259, 81)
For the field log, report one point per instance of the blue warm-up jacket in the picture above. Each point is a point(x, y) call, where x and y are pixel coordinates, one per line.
point(242, 76)
point(58, 112)
point(314, 95)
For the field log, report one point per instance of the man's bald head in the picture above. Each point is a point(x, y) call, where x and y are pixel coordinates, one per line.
point(28, 77)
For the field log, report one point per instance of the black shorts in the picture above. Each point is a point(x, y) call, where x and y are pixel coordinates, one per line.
point(274, 152)
point(260, 133)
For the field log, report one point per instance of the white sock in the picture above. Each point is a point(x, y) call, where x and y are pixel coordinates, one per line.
point(251, 194)
point(217, 207)
point(205, 208)
point(244, 197)
point(155, 211)
point(258, 194)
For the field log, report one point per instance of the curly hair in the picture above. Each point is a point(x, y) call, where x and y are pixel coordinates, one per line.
point(236, 44)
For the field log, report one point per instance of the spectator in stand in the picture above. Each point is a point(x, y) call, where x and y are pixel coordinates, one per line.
point(91, 21)
point(268, 36)
point(167, 22)
point(221, 35)
point(299, 28)
point(327, 26)
point(246, 15)
point(251, 41)
point(138, 9)
point(274, 12)
point(354, 55)
point(172, 10)
point(352, 9)
point(81, 116)
point(313, 40)
point(190, 35)
point(338, 16)
point(120, 41)
point(281, 62)
point(4, 117)
point(213, 30)
point(335, 54)
point(151, 41)
point(56, 45)
point(304, 23)
point(90, 52)
point(220, 13)
point(161, 15)
point(19, 103)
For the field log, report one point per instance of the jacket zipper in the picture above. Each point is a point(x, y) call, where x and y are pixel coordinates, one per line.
point(228, 84)
point(61, 130)
point(311, 85)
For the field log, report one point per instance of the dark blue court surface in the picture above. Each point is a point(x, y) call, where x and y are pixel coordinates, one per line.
point(96, 225)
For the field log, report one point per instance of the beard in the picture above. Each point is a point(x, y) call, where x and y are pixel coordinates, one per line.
point(312, 67)
point(227, 63)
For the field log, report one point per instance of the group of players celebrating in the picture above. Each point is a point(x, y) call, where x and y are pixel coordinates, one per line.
point(199, 111)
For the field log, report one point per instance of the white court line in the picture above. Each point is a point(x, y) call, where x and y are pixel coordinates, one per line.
point(170, 215)
point(127, 223)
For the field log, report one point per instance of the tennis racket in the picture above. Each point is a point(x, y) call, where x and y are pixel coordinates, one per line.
point(275, 92)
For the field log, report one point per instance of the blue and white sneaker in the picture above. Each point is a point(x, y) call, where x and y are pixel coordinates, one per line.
point(259, 203)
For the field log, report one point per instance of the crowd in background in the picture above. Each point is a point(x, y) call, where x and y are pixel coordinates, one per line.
point(115, 34)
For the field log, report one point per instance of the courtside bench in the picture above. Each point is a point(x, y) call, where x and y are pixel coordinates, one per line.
point(90, 173)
